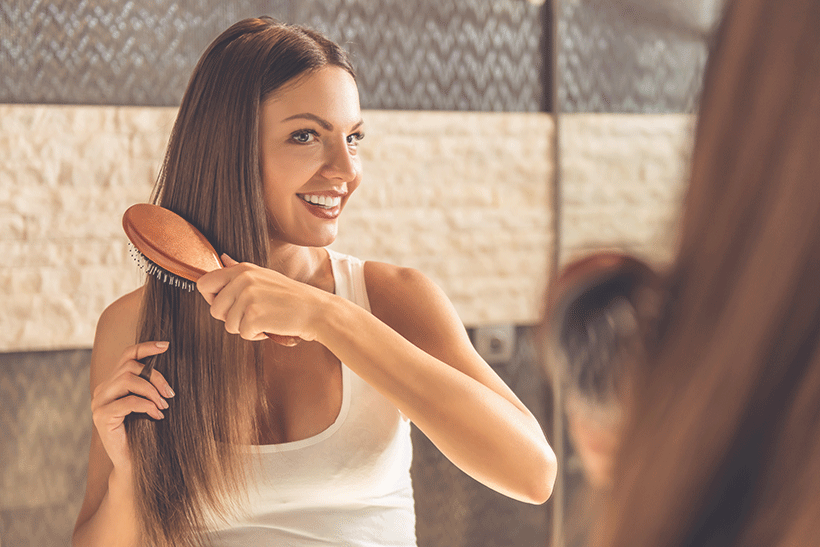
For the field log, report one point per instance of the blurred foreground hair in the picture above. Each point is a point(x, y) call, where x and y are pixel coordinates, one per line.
point(723, 446)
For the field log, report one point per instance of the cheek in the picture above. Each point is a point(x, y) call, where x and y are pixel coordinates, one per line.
point(282, 172)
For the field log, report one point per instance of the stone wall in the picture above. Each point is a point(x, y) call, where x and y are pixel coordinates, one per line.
point(622, 181)
point(465, 197)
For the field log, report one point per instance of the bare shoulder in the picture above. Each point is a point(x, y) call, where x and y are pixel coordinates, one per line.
point(381, 275)
point(116, 330)
point(389, 286)
point(413, 305)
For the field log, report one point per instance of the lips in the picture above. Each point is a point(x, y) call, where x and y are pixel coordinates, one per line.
point(324, 206)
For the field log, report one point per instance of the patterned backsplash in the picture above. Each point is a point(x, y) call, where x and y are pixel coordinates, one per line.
point(484, 55)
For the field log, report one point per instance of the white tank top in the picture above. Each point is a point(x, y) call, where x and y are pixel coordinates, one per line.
point(347, 486)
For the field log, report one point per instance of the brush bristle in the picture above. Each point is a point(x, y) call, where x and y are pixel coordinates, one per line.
point(160, 273)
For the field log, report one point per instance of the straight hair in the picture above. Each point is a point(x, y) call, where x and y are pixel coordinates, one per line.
point(189, 468)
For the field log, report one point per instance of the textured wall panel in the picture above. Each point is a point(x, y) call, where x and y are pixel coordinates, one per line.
point(622, 179)
point(45, 419)
point(66, 176)
point(432, 55)
point(112, 52)
point(439, 54)
point(45, 429)
point(463, 196)
point(629, 56)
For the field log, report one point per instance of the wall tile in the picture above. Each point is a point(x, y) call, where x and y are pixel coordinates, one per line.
point(429, 54)
point(622, 181)
point(463, 196)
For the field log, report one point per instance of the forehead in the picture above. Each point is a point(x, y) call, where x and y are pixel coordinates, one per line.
point(329, 93)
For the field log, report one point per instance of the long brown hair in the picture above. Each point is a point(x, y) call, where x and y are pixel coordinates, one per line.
point(188, 467)
point(723, 447)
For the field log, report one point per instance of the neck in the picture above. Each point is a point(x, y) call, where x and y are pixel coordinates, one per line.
point(309, 265)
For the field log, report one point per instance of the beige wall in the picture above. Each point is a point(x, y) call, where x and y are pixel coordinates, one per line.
point(465, 197)
point(622, 180)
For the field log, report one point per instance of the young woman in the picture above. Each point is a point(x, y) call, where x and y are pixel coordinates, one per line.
point(723, 447)
point(266, 444)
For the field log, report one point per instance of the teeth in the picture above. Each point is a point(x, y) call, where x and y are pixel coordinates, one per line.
point(322, 201)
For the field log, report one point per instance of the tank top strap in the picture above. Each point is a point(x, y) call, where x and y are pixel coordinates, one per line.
point(348, 275)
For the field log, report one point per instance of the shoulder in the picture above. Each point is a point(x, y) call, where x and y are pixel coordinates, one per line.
point(116, 330)
point(388, 285)
point(378, 273)
point(120, 318)
point(412, 304)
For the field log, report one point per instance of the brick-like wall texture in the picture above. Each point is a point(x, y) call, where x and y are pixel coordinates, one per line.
point(465, 197)
point(622, 180)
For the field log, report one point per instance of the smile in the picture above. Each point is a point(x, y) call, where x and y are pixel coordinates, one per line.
point(325, 202)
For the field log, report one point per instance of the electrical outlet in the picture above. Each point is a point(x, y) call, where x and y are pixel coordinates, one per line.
point(496, 344)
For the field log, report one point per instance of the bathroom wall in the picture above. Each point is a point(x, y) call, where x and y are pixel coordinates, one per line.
point(461, 181)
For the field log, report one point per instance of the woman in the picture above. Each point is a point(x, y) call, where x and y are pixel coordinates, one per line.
point(264, 443)
point(723, 447)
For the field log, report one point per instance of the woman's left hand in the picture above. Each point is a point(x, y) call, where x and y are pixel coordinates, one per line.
point(253, 301)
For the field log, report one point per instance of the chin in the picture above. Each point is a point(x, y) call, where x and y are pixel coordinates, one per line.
point(321, 237)
point(317, 240)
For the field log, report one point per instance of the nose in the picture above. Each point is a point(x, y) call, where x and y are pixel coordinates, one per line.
point(341, 163)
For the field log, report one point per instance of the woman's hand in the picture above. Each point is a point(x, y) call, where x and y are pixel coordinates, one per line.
point(253, 301)
point(125, 392)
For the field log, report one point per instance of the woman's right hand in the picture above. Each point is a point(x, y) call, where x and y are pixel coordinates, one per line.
point(125, 392)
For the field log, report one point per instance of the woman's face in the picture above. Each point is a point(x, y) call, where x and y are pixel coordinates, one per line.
point(309, 134)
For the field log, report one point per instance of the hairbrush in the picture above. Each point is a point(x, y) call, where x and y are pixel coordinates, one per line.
point(171, 249)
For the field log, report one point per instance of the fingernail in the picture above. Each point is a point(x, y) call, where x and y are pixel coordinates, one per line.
point(162, 345)
point(164, 403)
point(169, 392)
point(161, 415)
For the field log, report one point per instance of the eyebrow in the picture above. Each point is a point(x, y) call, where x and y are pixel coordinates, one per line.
point(326, 125)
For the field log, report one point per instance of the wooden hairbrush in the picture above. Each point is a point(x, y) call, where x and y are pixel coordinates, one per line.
point(170, 248)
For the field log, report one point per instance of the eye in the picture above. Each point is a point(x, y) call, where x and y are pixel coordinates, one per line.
point(354, 139)
point(305, 136)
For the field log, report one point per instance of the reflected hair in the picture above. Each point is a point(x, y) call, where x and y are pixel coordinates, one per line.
point(188, 468)
point(600, 323)
point(722, 448)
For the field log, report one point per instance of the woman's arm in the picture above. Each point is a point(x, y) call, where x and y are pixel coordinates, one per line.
point(108, 514)
point(465, 409)
point(415, 351)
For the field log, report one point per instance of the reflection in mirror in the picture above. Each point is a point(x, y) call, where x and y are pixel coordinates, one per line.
point(84, 154)
point(627, 79)
point(599, 324)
